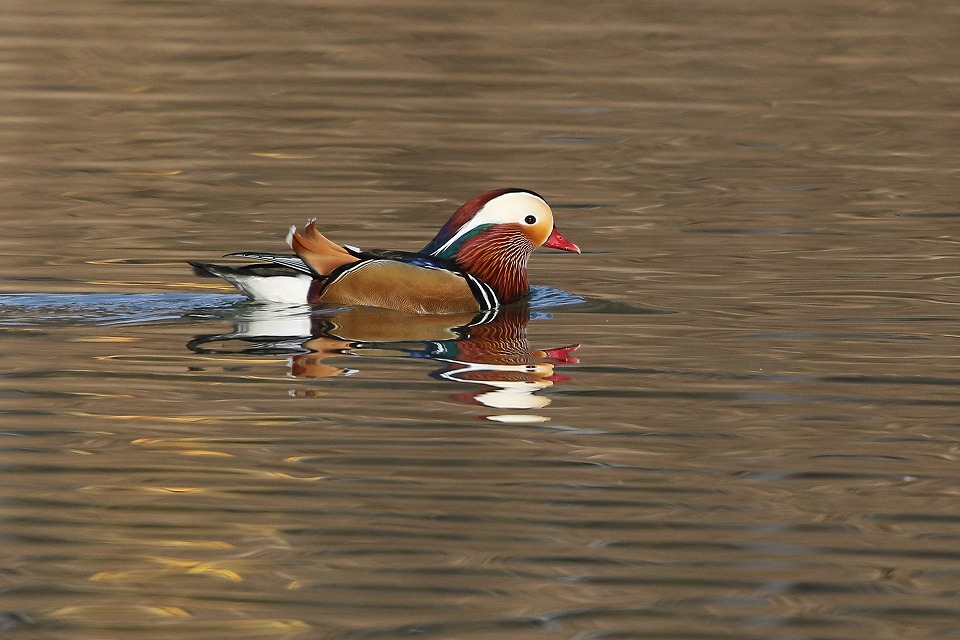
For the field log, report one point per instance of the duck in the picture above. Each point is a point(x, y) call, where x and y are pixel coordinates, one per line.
point(476, 263)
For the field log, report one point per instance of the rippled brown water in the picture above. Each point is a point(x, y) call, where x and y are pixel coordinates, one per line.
point(757, 436)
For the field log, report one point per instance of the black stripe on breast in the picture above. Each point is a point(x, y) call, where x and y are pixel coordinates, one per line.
point(483, 292)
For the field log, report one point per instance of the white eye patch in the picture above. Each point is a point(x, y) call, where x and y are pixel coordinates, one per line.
point(516, 207)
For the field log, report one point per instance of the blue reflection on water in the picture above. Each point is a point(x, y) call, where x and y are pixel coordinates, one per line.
point(24, 309)
point(27, 309)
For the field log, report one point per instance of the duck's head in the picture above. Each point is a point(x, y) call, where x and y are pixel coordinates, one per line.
point(492, 236)
point(517, 213)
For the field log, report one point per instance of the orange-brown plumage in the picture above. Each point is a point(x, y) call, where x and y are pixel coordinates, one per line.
point(321, 254)
point(391, 284)
point(499, 257)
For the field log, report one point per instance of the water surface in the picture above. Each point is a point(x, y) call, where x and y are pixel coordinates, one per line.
point(734, 416)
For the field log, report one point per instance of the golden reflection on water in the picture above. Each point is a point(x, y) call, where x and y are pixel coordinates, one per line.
point(774, 457)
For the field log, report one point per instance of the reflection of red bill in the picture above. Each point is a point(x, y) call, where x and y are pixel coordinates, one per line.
point(562, 355)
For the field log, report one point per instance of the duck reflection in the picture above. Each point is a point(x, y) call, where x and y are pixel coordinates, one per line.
point(489, 351)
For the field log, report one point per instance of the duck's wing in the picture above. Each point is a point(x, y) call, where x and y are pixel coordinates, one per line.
point(405, 286)
point(282, 259)
point(411, 258)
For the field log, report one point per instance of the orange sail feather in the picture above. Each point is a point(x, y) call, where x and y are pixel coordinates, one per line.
point(320, 253)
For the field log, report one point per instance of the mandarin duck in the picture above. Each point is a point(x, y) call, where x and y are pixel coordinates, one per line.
point(477, 262)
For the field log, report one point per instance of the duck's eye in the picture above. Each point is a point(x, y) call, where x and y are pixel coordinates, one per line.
point(530, 219)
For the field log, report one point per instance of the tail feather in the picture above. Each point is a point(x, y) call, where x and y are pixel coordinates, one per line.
point(262, 283)
point(321, 254)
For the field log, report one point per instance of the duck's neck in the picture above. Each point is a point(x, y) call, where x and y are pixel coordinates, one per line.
point(499, 259)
